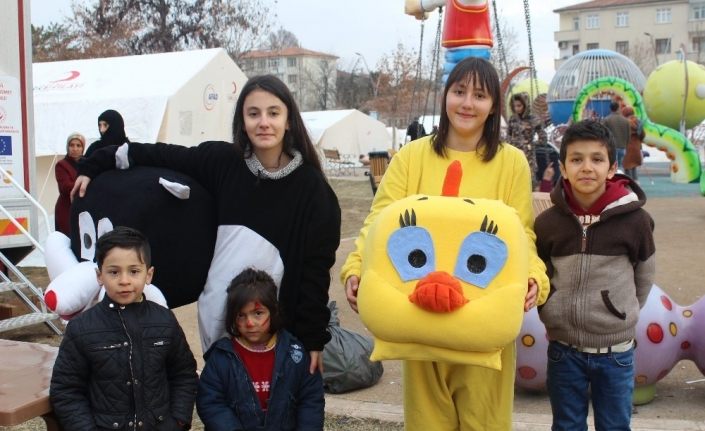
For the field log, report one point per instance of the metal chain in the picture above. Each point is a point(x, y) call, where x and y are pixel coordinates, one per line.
point(418, 74)
point(500, 43)
point(434, 65)
point(532, 73)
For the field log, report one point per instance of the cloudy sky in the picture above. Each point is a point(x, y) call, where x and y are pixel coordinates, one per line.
point(374, 27)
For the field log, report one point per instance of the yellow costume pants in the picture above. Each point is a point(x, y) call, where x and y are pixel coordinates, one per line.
point(451, 397)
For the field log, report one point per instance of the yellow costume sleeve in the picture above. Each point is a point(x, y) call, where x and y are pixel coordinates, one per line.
point(520, 197)
point(392, 188)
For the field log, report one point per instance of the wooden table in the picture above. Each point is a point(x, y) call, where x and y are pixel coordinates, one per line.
point(25, 374)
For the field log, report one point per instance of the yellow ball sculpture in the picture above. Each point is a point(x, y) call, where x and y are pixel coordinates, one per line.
point(665, 89)
point(444, 279)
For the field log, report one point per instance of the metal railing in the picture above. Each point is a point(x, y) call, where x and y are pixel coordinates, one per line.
point(37, 314)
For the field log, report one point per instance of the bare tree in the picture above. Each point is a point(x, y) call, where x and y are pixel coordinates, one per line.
point(643, 55)
point(126, 27)
point(322, 79)
point(396, 86)
point(54, 42)
point(353, 88)
point(281, 39)
point(510, 43)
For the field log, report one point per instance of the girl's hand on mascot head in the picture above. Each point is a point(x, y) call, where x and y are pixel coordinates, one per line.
point(531, 295)
point(351, 286)
point(316, 361)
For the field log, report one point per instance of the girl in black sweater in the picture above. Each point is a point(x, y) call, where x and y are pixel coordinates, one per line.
point(276, 211)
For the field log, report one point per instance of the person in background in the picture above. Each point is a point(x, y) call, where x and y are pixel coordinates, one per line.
point(473, 397)
point(621, 129)
point(257, 377)
point(275, 209)
point(125, 363)
point(66, 173)
point(521, 129)
point(112, 131)
point(415, 130)
point(633, 157)
point(597, 242)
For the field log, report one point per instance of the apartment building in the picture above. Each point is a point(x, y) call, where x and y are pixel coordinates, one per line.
point(310, 75)
point(650, 32)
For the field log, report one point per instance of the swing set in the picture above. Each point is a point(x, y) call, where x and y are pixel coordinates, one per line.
point(420, 104)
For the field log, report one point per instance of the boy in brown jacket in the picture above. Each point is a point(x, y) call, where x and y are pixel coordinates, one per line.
point(599, 251)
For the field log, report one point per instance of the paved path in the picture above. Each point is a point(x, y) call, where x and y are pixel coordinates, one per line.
point(680, 243)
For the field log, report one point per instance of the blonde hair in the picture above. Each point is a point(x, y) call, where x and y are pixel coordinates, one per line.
point(78, 137)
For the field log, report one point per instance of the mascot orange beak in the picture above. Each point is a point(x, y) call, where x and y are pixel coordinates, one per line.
point(438, 292)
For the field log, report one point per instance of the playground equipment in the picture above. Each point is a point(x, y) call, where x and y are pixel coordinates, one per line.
point(685, 161)
point(673, 95)
point(582, 68)
point(665, 334)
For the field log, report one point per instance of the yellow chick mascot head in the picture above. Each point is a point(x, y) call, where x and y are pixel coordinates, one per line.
point(444, 279)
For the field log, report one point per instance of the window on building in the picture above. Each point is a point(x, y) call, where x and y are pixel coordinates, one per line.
point(576, 23)
point(622, 19)
point(261, 63)
point(291, 61)
point(698, 10)
point(576, 49)
point(663, 46)
point(593, 45)
point(273, 62)
point(622, 47)
point(592, 21)
point(292, 79)
point(699, 44)
point(663, 15)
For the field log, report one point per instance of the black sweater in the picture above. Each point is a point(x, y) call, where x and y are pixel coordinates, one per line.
point(298, 214)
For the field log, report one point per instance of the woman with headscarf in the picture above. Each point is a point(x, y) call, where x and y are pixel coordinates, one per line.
point(66, 173)
point(112, 131)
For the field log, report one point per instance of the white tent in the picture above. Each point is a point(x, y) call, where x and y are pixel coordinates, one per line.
point(349, 131)
point(180, 98)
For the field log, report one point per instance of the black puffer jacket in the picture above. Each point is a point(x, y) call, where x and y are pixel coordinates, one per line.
point(124, 368)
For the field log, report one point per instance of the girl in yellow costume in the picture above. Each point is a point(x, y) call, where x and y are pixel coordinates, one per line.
point(442, 395)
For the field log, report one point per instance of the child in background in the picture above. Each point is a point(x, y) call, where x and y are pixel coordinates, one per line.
point(598, 246)
point(124, 363)
point(258, 378)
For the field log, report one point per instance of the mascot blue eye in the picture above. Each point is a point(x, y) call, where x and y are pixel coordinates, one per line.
point(411, 251)
point(480, 259)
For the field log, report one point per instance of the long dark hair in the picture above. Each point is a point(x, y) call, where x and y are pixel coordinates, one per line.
point(480, 71)
point(252, 285)
point(296, 138)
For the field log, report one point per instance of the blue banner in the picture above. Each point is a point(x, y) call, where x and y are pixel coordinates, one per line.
point(5, 145)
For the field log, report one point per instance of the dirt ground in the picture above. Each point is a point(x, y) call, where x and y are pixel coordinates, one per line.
point(680, 243)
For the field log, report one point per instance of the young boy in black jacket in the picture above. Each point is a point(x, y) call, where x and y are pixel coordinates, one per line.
point(125, 363)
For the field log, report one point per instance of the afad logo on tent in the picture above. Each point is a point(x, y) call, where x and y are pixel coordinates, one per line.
point(65, 81)
point(210, 97)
